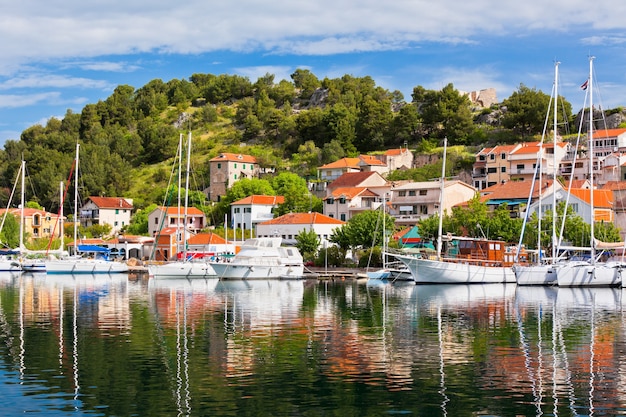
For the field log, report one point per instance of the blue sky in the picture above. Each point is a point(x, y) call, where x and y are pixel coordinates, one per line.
point(59, 57)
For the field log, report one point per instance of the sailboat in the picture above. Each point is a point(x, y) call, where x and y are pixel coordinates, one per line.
point(542, 273)
point(467, 261)
point(95, 259)
point(384, 272)
point(592, 273)
point(183, 268)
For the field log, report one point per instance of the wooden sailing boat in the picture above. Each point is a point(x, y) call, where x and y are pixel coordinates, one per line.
point(473, 260)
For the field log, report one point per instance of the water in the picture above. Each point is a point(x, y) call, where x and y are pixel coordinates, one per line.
point(107, 346)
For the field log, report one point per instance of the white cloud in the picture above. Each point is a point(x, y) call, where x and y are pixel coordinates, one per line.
point(52, 81)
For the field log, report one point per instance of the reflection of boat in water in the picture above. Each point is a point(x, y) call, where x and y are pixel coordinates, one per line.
point(262, 258)
point(186, 285)
point(463, 295)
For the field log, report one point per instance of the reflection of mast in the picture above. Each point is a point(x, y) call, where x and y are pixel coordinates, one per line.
point(182, 362)
point(21, 307)
point(442, 389)
point(75, 345)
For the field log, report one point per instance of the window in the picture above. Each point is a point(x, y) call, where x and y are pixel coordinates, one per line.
point(412, 193)
point(492, 170)
point(492, 157)
point(236, 210)
point(342, 217)
point(502, 155)
point(219, 166)
point(502, 169)
point(247, 210)
point(235, 165)
point(243, 166)
point(115, 223)
point(117, 211)
point(481, 157)
point(330, 200)
point(423, 209)
point(401, 193)
point(520, 166)
point(423, 192)
point(156, 220)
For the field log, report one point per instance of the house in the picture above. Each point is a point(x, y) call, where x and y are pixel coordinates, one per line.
point(515, 195)
point(37, 223)
point(254, 209)
point(492, 166)
point(226, 169)
point(415, 201)
point(345, 202)
point(580, 203)
point(340, 193)
point(290, 225)
point(207, 245)
point(162, 217)
point(523, 160)
point(114, 211)
point(619, 205)
point(167, 243)
point(608, 141)
point(610, 168)
point(364, 163)
point(400, 158)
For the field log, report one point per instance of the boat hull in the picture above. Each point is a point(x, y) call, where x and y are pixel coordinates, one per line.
point(251, 271)
point(429, 271)
point(182, 270)
point(85, 266)
point(579, 274)
point(536, 274)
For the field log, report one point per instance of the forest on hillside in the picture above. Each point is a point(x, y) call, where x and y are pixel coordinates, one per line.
point(127, 142)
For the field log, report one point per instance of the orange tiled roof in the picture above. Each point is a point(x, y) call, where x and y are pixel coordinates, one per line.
point(111, 202)
point(351, 192)
point(234, 157)
point(343, 163)
point(28, 212)
point(206, 239)
point(512, 190)
point(371, 160)
point(601, 198)
point(607, 133)
point(267, 200)
point(176, 211)
point(614, 185)
point(352, 179)
point(395, 152)
point(303, 218)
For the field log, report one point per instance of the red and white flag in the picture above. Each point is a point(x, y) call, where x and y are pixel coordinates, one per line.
point(585, 84)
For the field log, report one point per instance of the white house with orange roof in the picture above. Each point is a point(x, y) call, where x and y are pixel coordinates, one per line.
point(163, 217)
point(415, 201)
point(580, 203)
point(254, 209)
point(339, 194)
point(400, 158)
point(345, 202)
point(290, 225)
point(515, 194)
point(492, 166)
point(364, 163)
point(226, 169)
point(523, 160)
point(114, 211)
point(608, 141)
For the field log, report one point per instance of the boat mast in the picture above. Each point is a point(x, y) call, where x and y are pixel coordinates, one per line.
point(76, 202)
point(22, 207)
point(186, 197)
point(441, 187)
point(555, 242)
point(591, 158)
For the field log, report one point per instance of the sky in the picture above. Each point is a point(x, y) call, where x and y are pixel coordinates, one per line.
point(61, 55)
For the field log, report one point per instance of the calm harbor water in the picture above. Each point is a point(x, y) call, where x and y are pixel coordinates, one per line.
point(107, 346)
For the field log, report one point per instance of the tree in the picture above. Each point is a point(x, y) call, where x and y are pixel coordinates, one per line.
point(527, 108)
point(307, 243)
point(10, 234)
point(294, 188)
point(366, 229)
point(139, 222)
